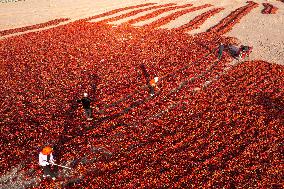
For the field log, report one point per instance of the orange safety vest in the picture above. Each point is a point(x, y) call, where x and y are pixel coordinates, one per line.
point(153, 83)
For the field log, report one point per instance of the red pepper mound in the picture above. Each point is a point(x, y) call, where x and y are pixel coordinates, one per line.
point(269, 9)
point(225, 135)
point(36, 26)
point(212, 139)
point(42, 75)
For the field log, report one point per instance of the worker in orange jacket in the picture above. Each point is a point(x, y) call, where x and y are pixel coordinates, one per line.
point(153, 85)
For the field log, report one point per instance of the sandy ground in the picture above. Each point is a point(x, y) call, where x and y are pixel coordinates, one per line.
point(263, 32)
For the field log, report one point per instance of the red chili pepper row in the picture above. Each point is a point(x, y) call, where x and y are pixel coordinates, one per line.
point(117, 11)
point(132, 13)
point(156, 13)
point(32, 27)
point(173, 16)
point(233, 18)
point(198, 20)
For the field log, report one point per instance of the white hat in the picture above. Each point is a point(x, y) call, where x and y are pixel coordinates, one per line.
point(156, 79)
point(197, 89)
point(85, 94)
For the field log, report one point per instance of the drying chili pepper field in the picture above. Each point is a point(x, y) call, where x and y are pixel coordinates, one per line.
point(213, 120)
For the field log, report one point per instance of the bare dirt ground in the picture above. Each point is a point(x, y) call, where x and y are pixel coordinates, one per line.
point(262, 31)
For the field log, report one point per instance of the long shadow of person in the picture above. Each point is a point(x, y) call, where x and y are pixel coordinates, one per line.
point(147, 77)
point(67, 130)
point(145, 73)
point(274, 107)
point(94, 81)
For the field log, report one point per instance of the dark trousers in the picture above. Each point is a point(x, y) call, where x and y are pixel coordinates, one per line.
point(220, 53)
point(88, 112)
point(151, 89)
point(47, 171)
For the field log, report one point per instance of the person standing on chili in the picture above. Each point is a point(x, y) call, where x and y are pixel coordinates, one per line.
point(220, 51)
point(153, 85)
point(45, 159)
point(86, 103)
